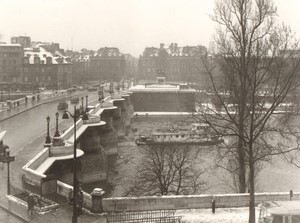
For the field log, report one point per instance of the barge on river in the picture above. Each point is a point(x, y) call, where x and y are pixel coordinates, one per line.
point(198, 134)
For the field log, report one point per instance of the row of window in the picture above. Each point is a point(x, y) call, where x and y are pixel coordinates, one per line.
point(10, 70)
point(9, 62)
point(27, 78)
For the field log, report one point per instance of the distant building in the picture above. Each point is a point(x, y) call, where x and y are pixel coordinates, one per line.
point(25, 41)
point(176, 63)
point(131, 65)
point(11, 59)
point(81, 67)
point(42, 68)
point(107, 63)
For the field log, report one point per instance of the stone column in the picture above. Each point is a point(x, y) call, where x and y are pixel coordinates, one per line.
point(118, 122)
point(94, 162)
point(108, 135)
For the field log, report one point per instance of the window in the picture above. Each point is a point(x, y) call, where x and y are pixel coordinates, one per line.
point(14, 62)
point(4, 62)
point(49, 78)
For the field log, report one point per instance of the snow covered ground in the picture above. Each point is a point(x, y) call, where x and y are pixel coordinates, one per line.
point(223, 215)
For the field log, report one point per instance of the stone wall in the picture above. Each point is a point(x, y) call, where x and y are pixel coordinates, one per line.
point(188, 202)
point(163, 102)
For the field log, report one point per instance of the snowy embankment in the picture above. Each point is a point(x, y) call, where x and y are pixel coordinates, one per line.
point(222, 215)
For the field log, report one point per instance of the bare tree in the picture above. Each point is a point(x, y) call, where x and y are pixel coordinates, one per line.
point(257, 61)
point(167, 169)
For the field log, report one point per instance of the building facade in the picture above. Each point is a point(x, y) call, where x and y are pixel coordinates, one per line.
point(107, 64)
point(42, 68)
point(176, 63)
point(11, 60)
point(80, 66)
point(24, 41)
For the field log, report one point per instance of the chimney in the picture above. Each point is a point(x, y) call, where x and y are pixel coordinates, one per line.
point(48, 60)
point(162, 46)
point(36, 59)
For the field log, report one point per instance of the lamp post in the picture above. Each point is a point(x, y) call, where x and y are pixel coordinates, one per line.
point(101, 93)
point(123, 84)
point(75, 116)
point(48, 139)
point(111, 88)
point(86, 102)
point(5, 158)
point(8, 159)
point(56, 134)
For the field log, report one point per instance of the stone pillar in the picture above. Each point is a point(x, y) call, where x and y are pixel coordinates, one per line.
point(97, 196)
point(127, 114)
point(118, 122)
point(94, 162)
point(108, 135)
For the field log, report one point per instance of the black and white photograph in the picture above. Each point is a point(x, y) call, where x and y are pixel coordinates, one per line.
point(149, 111)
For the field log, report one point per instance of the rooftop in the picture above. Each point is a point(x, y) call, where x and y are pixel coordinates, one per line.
point(174, 50)
point(18, 45)
point(42, 54)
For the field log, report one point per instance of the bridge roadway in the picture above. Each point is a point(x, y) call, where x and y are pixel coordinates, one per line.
point(26, 135)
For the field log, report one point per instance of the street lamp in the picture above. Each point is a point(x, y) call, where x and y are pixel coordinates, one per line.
point(6, 158)
point(75, 116)
point(56, 134)
point(111, 88)
point(101, 93)
point(123, 84)
point(82, 105)
point(48, 139)
point(86, 102)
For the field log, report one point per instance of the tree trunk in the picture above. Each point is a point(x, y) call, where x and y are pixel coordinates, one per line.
point(241, 156)
point(252, 186)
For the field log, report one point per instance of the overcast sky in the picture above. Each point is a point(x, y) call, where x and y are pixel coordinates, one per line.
point(130, 25)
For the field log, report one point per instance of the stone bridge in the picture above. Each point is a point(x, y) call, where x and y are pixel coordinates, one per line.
point(96, 139)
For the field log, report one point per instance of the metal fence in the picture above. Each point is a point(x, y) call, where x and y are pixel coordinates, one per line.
point(163, 216)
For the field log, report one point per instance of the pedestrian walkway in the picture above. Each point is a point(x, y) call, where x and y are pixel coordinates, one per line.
point(61, 215)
